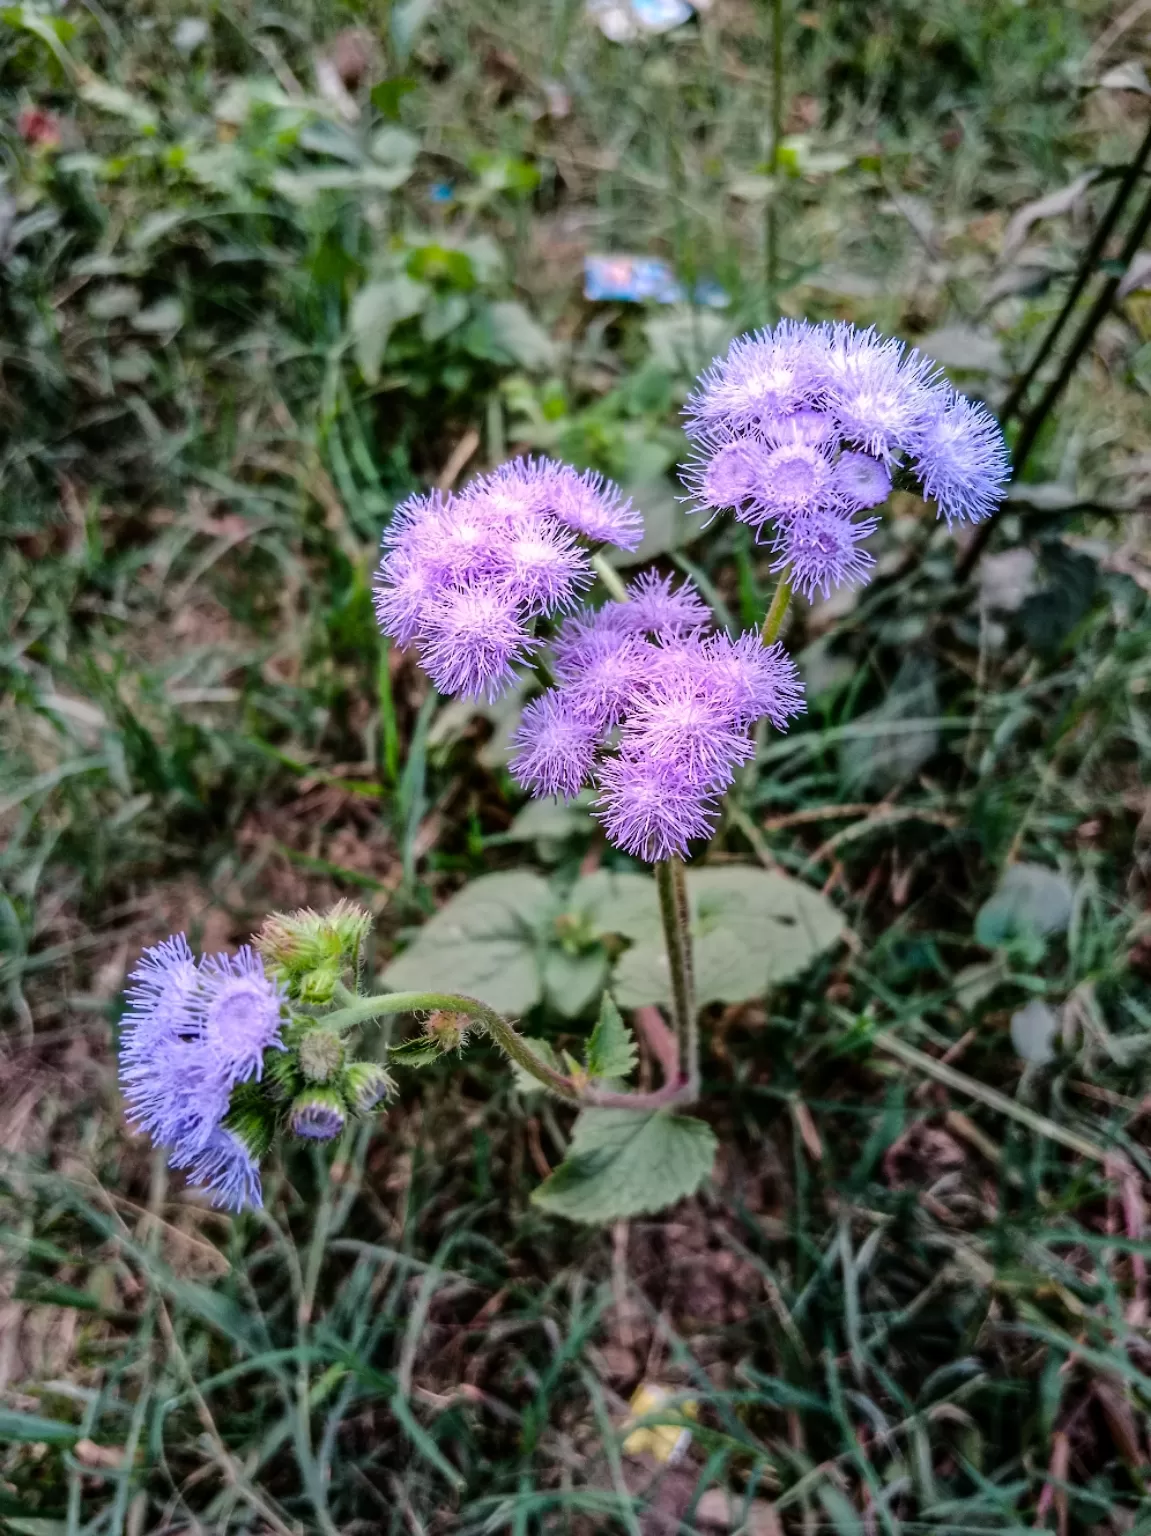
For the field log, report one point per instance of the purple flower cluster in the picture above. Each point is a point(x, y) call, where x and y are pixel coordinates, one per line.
point(465, 577)
point(191, 1032)
point(798, 431)
point(657, 709)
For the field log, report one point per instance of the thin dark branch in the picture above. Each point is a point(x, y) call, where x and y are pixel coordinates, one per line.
point(1087, 265)
point(1033, 423)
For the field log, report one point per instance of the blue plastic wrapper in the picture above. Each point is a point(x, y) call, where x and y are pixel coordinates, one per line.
point(623, 21)
point(642, 280)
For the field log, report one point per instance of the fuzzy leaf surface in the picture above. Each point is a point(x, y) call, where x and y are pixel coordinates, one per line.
point(485, 943)
point(611, 1051)
point(752, 928)
point(623, 1164)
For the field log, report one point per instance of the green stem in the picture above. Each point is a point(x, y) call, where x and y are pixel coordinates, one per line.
point(610, 577)
point(781, 599)
point(673, 911)
point(509, 1041)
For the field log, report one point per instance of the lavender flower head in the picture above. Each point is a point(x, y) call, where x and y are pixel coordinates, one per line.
point(799, 429)
point(465, 578)
point(192, 1031)
point(656, 711)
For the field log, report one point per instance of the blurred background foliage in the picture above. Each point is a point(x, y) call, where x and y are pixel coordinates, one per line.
point(263, 271)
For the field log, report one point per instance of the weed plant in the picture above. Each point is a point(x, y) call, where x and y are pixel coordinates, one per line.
point(237, 326)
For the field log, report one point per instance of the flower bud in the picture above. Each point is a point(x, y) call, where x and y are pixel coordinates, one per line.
point(448, 1030)
point(316, 987)
point(253, 1126)
point(296, 943)
point(321, 1054)
point(317, 1114)
point(366, 1085)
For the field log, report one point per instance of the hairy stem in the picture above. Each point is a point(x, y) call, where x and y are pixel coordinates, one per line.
point(669, 876)
point(777, 612)
point(510, 1041)
point(610, 577)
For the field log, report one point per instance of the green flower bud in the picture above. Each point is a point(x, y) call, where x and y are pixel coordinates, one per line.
point(316, 987)
point(448, 1030)
point(317, 1114)
point(366, 1085)
point(251, 1121)
point(295, 943)
point(282, 1074)
point(320, 1054)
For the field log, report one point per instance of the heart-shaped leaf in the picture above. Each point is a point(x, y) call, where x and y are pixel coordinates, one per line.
point(622, 1163)
point(486, 943)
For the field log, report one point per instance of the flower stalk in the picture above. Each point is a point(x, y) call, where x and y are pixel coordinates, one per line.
point(513, 1045)
point(777, 611)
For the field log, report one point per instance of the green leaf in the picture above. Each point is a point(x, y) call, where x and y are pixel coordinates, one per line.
point(525, 1082)
point(376, 310)
point(1029, 903)
point(623, 1164)
point(611, 1051)
point(573, 982)
point(387, 95)
point(420, 1051)
point(511, 330)
point(485, 943)
point(611, 902)
point(552, 820)
point(752, 928)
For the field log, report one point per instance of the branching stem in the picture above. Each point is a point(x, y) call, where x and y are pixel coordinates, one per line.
point(511, 1042)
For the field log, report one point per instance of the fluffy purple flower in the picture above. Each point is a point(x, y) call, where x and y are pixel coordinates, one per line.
point(594, 507)
point(721, 475)
point(961, 459)
point(683, 700)
point(880, 397)
point(159, 991)
point(543, 566)
point(192, 1031)
point(555, 746)
point(764, 376)
point(599, 664)
point(176, 1092)
point(817, 428)
point(790, 479)
point(801, 424)
point(654, 606)
point(464, 578)
point(822, 550)
point(650, 809)
point(473, 640)
point(749, 680)
point(861, 481)
point(238, 1008)
point(680, 721)
point(225, 1168)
